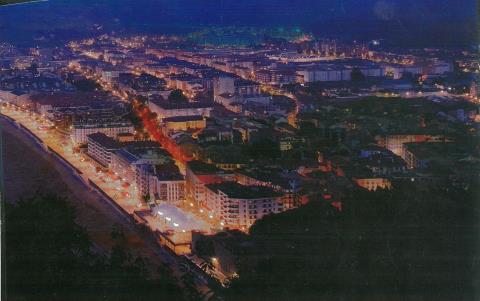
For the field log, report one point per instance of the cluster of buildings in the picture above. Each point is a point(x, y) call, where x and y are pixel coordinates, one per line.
point(167, 109)
point(144, 164)
point(239, 198)
point(226, 111)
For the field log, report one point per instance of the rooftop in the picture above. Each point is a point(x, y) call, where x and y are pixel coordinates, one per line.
point(125, 154)
point(148, 152)
point(104, 140)
point(183, 118)
point(168, 105)
point(168, 172)
point(142, 144)
point(271, 175)
point(64, 99)
point(431, 150)
point(245, 82)
point(96, 123)
point(235, 190)
point(199, 167)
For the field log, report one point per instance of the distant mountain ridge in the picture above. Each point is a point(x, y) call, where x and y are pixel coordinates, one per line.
point(402, 22)
point(9, 2)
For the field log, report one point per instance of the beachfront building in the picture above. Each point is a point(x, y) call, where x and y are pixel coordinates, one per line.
point(100, 148)
point(81, 129)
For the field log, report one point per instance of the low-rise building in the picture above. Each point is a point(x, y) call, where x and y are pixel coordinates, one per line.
point(165, 109)
point(224, 251)
point(397, 71)
point(394, 142)
point(184, 123)
point(288, 142)
point(424, 155)
point(365, 178)
point(373, 183)
point(381, 161)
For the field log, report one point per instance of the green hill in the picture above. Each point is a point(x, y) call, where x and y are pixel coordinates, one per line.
point(6, 2)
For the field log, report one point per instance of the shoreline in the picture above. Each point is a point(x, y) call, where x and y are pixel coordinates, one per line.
point(87, 200)
point(92, 210)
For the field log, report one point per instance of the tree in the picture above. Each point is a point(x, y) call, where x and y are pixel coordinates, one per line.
point(117, 234)
point(357, 75)
point(146, 198)
point(177, 96)
point(143, 99)
point(86, 85)
point(33, 68)
point(204, 247)
point(264, 148)
point(414, 242)
point(204, 96)
point(49, 257)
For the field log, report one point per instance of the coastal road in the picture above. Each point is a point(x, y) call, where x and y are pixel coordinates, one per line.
point(26, 160)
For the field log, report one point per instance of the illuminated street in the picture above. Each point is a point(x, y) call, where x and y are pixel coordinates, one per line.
point(263, 150)
point(123, 193)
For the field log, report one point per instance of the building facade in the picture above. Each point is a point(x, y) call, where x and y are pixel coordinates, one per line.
point(136, 166)
point(238, 206)
point(167, 185)
point(81, 130)
point(199, 174)
point(168, 110)
point(100, 147)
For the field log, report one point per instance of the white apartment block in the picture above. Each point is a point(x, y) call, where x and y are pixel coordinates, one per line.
point(81, 130)
point(238, 206)
point(171, 191)
point(100, 147)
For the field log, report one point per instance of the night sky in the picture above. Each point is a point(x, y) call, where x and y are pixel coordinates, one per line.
point(399, 22)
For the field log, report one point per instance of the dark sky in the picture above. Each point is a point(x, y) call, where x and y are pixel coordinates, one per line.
point(400, 22)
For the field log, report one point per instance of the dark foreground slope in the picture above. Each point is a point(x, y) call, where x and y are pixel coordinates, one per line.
point(412, 243)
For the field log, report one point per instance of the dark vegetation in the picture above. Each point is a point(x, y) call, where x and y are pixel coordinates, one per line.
point(177, 96)
point(416, 242)
point(86, 85)
point(49, 257)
